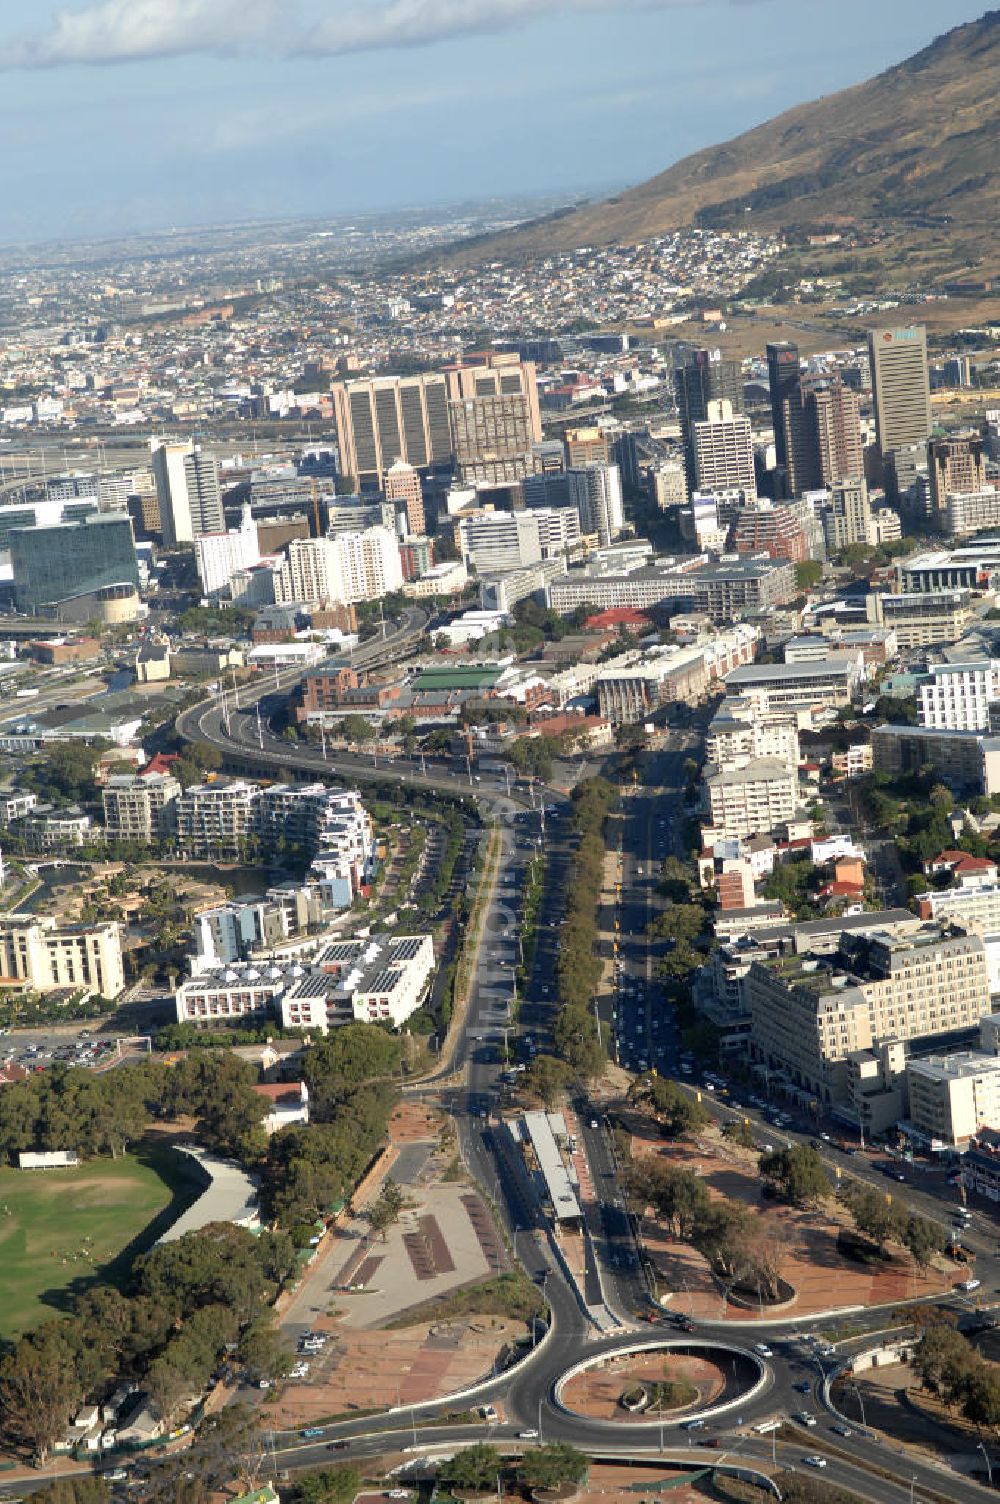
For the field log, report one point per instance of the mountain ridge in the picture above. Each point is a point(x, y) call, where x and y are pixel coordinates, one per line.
point(916, 147)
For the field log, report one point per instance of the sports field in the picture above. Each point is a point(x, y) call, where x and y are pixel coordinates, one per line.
point(62, 1229)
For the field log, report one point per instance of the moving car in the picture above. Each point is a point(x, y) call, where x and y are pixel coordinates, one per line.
point(814, 1460)
point(804, 1418)
point(763, 1350)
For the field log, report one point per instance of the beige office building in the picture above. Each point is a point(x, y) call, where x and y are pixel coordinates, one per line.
point(953, 1096)
point(900, 386)
point(402, 487)
point(46, 955)
point(833, 429)
point(955, 464)
point(387, 419)
point(810, 1015)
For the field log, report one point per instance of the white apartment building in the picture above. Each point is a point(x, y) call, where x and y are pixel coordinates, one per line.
point(825, 684)
point(238, 989)
point(953, 1096)
point(810, 1015)
point(369, 563)
point(219, 556)
point(957, 696)
point(213, 819)
point(971, 511)
point(47, 956)
point(349, 567)
point(450, 577)
point(382, 980)
point(139, 807)
point(976, 908)
point(494, 542)
point(751, 800)
point(736, 735)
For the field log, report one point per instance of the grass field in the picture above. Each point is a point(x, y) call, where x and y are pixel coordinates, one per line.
point(62, 1230)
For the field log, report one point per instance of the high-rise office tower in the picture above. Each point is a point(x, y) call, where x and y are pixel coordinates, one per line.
point(723, 451)
point(785, 385)
point(494, 415)
point(402, 487)
point(705, 377)
point(594, 490)
point(496, 374)
point(832, 423)
point(957, 464)
point(900, 386)
point(187, 489)
point(387, 419)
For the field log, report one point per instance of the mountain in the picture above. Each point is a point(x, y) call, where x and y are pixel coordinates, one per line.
point(915, 148)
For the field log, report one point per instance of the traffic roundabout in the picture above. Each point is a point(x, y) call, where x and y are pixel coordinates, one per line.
point(661, 1381)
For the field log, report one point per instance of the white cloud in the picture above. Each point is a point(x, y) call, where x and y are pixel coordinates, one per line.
point(118, 31)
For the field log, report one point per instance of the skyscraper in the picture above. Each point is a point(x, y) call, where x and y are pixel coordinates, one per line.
point(900, 386)
point(784, 383)
point(187, 489)
point(494, 416)
point(723, 451)
point(705, 377)
point(387, 419)
point(832, 424)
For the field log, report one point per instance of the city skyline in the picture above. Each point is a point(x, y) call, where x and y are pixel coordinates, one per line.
point(124, 116)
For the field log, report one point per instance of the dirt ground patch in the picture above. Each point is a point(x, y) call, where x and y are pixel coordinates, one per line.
point(596, 1393)
point(362, 1371)
point(822, 1278)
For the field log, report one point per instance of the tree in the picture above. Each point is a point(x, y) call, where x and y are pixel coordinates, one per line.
point(552, 1465)
point(739, 1131)
point(475, 1469)
point(873, 1213)
point(808, 574)
point(798, 1173)
point(39, 1391)
point(264, 1351)
point(385, 1210)
point(354, 728)
point(923, 1239)
point(330, 1485)
point(676, 1111)
point(547, 1078)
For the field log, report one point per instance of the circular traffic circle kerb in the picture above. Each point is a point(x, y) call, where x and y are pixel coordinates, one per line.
point(666, 1381)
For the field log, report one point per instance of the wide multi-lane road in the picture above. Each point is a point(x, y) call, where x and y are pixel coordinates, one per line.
point(645, 1034)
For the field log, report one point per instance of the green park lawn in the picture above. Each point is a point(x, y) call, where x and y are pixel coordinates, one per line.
point(62, 1230)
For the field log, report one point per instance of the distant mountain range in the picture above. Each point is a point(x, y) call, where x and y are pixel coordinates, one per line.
point(915, 151)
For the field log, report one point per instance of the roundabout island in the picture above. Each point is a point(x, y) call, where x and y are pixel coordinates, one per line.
point(661, 1382)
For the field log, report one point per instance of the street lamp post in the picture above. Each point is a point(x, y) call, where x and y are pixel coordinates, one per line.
point(913, 1480)
point(989, 1465)
point(540, 1399)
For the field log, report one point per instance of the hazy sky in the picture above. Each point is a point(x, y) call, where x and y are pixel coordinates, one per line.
point(142, 113)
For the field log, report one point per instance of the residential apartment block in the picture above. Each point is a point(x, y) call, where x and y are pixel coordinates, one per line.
point(46, 955)
point(139, 807)
point(753, 799)
point(957, 696)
